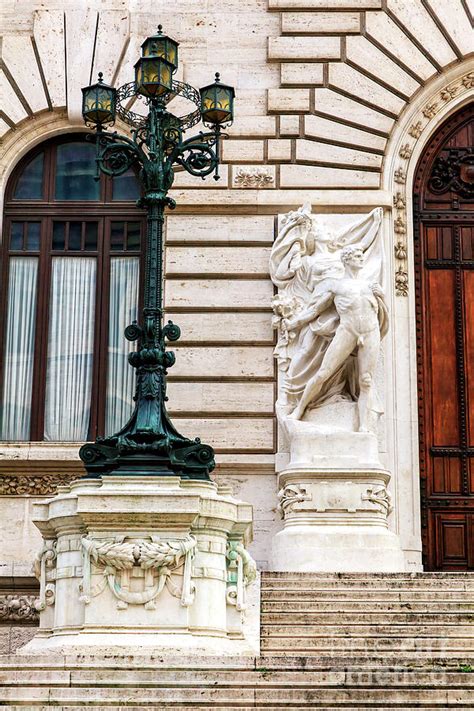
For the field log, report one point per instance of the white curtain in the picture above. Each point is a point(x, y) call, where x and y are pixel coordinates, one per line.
point(19, 348)
point(124, 275)
point(70, 349)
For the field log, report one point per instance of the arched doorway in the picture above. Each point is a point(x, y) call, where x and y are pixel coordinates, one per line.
point(444, 253)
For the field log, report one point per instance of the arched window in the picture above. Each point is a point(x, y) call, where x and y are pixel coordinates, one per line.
point(70, 284)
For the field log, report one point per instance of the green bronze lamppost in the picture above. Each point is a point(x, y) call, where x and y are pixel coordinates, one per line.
point(149, 444)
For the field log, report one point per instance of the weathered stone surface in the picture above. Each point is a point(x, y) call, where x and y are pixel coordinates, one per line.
point(288, 100)
point(290, 125)
point(297, 176)
point(358, 85)
point(18, 55)
point(242, 151)
point(204, 398)
point(319, 127)
point(279, 150)
point(319, 23)
point(324, 4)
point(295, 73)
point(325, 153)
point(228, 228)
point(225, 260)
point(366, 55)
point(48, 30)
point(330, 104)
point(234, 362)
point(228, 328)
point(294, 48)
point(416, 18)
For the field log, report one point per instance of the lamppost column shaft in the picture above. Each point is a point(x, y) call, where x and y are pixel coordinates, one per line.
point(153, 296)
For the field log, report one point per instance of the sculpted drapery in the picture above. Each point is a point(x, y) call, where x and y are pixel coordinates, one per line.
point(330, 311)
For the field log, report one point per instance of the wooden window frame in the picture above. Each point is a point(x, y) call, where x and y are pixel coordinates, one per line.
point(46, 211)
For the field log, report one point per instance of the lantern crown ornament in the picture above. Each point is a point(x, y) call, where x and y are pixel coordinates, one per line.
point(149, 443)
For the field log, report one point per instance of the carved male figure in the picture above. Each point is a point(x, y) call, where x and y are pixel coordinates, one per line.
point(358, 303)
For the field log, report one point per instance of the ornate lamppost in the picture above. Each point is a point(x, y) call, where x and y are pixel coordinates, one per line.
point(149, 444)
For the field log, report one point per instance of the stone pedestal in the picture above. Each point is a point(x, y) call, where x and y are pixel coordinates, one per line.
point(136, 563)
point(334, 502)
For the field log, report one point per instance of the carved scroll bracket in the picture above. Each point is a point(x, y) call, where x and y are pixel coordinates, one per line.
point(241, 572)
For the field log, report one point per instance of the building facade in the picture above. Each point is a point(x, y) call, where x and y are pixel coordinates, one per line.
point(345, 105)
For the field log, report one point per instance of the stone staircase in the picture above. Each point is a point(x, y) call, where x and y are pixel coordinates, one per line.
point(328, 642)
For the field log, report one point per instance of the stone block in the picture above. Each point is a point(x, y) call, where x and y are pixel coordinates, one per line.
point(211, 397)
point(18, 55)
point(183, 179)
point(364, 54)
point(11, 104)
point(112, 36)
point(228, 328)
point(227, 228)
point(242, 151)
point(320, 22)
point(290, 125)
point(253, 176)
point(231, 433)
point(324, 4)
point(212, 260)
point(279, 150)
point(48, 31)
point(319, 127)
point(358, 85)
point(453, 17)
point(421, 24)
point(218, 293)
point(80, 30)
point(219, 361)
point(304, 73)
point(20, 536)
point(301, 48)
point(308, 176)
point(313, 151)
point(253, 126)
point(330, 104)
point(383, 29)
point(289, 100)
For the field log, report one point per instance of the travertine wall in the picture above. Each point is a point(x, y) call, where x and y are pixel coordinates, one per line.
point(325, 90)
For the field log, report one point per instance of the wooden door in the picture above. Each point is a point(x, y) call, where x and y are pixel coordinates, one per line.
point(444, 248)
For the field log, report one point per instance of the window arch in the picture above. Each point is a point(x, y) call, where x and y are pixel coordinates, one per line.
point(71, 259)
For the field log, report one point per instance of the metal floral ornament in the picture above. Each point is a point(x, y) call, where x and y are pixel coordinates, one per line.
point(149, 444)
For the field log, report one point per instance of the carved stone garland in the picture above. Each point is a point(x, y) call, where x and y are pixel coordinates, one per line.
point(429, 111)
point(156, 557)
point(241, 571)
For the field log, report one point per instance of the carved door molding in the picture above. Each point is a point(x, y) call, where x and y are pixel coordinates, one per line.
point(443, 204)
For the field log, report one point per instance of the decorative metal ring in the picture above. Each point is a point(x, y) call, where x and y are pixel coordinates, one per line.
point(127, 91)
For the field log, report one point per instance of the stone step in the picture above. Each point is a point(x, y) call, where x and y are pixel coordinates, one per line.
point(379, 595)
point(191, 678)
point(342, 577)
point(266, 696)
point(369, 630)
point(465, 584)
point(365, 644)
point(343, 618)
point(351, 607)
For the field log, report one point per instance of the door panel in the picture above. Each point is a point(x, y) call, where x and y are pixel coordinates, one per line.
point(444, 247)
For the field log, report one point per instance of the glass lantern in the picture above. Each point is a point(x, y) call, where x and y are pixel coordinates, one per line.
point(99, 103)
point(160, 45)
point(153, 76)
point(217, 103)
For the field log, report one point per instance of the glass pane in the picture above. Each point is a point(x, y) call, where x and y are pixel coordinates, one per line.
point(70, 349)
point(30, 182)
point(75, 172)
point(16, 235)
point(75, 234)
point(91, 236)
point(19, 349)
point(59, 240)
point(117, 236)
point(133, 235)
point(126, 187)
point(124, 274)
point(33, 233)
